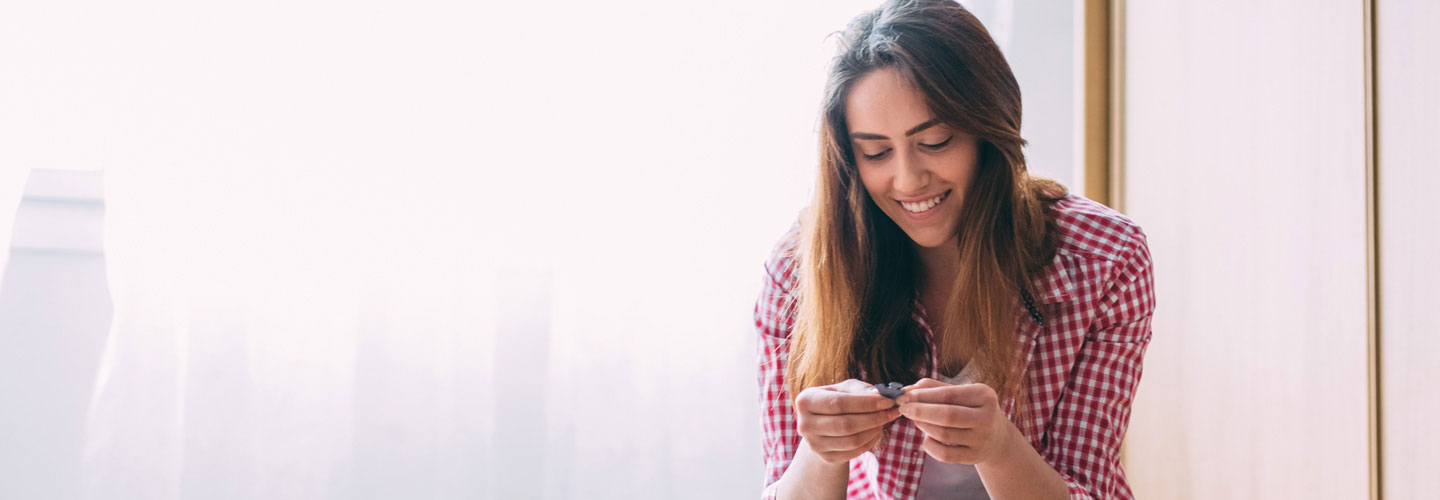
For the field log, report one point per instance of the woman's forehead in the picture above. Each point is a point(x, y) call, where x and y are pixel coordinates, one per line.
point(883, 102)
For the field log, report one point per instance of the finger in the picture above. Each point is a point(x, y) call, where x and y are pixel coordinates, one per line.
point(926, 383)
point(948, 435)
point(854, 442)
point(949, 454)
point(876, 440)
point(845, 425)
point(972, 395)
point(946, 415)
point(822, 401)
point(854, 386)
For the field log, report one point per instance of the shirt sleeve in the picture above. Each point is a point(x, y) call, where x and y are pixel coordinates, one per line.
point(774, 319)
point(1092, 414)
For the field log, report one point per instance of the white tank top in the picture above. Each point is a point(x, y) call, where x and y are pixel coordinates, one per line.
point(942, 481)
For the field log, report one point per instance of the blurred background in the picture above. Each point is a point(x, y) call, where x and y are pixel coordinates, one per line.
point(441, 249)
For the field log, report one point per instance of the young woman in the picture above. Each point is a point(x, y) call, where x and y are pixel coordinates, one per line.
point(1017, 314)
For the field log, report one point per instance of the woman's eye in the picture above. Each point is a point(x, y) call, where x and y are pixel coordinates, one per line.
point(876, 156)
point(940, 145)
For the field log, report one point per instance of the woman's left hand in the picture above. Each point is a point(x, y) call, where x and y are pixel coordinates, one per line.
point(962, 423)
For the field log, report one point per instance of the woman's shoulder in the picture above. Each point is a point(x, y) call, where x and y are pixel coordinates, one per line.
point(1091, 229)
point(775, 309)
point(1101, 253)
point(781, 266)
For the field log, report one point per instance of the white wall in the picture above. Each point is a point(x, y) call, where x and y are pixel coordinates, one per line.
point(1038, 39)
point(1245, 164)
point(1408, 122)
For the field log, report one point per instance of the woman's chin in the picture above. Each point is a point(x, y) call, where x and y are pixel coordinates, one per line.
point(928, 239)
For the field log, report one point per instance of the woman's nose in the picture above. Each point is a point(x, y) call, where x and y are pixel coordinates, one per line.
point(912, 176)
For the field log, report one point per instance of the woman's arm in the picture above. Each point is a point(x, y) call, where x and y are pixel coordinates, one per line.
point(809, 477)
point(837, 423)
point(774, 319)
point(1083, 442)
point(840, 421)
point(1018, 471)
point(807, 442)
point(779, 439)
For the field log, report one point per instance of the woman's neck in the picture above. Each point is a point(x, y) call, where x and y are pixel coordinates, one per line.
point(938, 267)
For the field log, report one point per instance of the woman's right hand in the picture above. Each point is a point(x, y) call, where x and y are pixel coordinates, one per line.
point(842, 421)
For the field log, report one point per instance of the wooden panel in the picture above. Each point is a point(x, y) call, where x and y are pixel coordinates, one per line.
point(1095, 87)
point(1245, 163)
point(1408, 74)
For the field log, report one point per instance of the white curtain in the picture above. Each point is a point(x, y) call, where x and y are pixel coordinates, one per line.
point(428, 249)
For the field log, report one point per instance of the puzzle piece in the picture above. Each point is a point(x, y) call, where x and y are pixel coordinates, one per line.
point(891, 390)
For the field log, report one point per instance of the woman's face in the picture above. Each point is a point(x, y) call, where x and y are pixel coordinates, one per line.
point(915, 169)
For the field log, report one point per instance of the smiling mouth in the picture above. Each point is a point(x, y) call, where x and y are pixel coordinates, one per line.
point(923, 206)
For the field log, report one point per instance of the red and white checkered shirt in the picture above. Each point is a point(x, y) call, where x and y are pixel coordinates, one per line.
point(1083, 364)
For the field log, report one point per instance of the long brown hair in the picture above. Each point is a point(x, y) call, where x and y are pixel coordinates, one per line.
point(858, 268)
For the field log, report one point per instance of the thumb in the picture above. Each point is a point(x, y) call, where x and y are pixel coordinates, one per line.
point(924, 383)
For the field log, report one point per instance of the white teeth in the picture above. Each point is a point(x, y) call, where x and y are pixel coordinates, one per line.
point(922, 206)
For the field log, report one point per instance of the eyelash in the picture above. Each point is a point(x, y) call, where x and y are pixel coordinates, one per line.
point(932, 147)
point(939, 145)
point(876, 156)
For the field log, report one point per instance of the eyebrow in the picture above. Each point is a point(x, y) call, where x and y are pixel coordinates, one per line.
point(866, 136)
